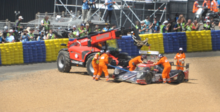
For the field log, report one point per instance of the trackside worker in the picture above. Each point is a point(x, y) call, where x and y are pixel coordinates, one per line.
point(95, 63)
point(82, 30)
point(214, 6)
point(167, 67)
point(209, 4)
point(103, 62)
point(207, 26)
point(195, 6)
point(180, 57)
point(164, 27)
point(205, 4)
point(133, 62)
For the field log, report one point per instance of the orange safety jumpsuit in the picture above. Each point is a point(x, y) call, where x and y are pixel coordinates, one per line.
point(178, 57)
point(103, 61)
point(133, 62)
point(95, 64)
point(204, 3)
point(195, 8)
point(209, 4)
point(214, 6)
point(166, 70)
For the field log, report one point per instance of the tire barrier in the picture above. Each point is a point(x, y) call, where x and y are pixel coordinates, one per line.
point(155, 40)
point(126, 43)
point(12, 53)
point(41, 51)
point(215, 40)
point(199, 41)
point(53, 47)
point(173, 41)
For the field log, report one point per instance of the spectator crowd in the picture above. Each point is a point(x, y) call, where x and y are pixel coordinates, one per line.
point(178, 24)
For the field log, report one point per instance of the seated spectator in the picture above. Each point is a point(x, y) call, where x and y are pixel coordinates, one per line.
point(195, 26)
point(1, 38)
point(189, 25)
point(113, 27)
point(177, 26)
point(97, 28)
point(50, 35)
point(10, 38)
point(207, 25)
point(155, 26)
point(75, 32)
point(88, 30)
point(106, 28)
point(182, 22)
point(143, 28)
point(82, 30)
point(147, 24)
point(164, 27)
point(31, 35)
point(41, 36)
point(24, 37)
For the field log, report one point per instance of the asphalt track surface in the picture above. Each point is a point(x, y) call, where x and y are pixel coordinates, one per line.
point(42, 88)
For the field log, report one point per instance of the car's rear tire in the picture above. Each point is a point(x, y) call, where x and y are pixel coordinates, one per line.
point(63, 61)
point(180, 77)
point(89, 66)
point(148, 77)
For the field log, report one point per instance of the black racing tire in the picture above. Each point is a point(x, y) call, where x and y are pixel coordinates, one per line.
point(63, 61)
point(180, 77)
point(148, 77)
point(124, 55)
point(89, 67)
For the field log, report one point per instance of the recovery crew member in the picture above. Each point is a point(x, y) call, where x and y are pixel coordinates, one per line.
point(195, 6)
point(95, 63)
point(205, 4)
point(167, 67)
point(180, 57)
point(214, 6)
point(103, 62)
point(133, 62)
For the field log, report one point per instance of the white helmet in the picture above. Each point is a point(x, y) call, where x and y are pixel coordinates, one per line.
point(160, 55)
point(180, 49)
point(107, 51)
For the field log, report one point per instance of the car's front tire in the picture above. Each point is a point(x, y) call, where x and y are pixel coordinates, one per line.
point(148, 77)
point(180, 77)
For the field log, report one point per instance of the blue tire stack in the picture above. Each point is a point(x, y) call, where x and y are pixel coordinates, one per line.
point(166, 42)
point(127, 45)
point(30, 53)
point(218, 39)
point(39, 51)
point(176, 42)
point(0, 58)
point(26, 52)
point(34, 51)
point(215, 40)
point(182, 40)
point(43, 53)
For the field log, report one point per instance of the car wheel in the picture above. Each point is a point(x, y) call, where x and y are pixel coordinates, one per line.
point(148, 78)
point(63, 61)
point(180, 77)
point(89, 67)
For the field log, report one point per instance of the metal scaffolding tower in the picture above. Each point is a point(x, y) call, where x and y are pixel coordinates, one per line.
point(126, 9)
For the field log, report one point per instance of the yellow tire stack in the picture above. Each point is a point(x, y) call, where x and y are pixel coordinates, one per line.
point(19, 53)
point(57, 46)
point(189, 41)
point(155, 40)
point(160, 42)
point(208, 40)
point(48, 50)
point(199, 40)
point(143, 37)
point(112, 43)
point(53, 50)
point(3, 54)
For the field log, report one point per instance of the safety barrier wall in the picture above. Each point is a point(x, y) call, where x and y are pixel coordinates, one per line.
point(46, 51)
